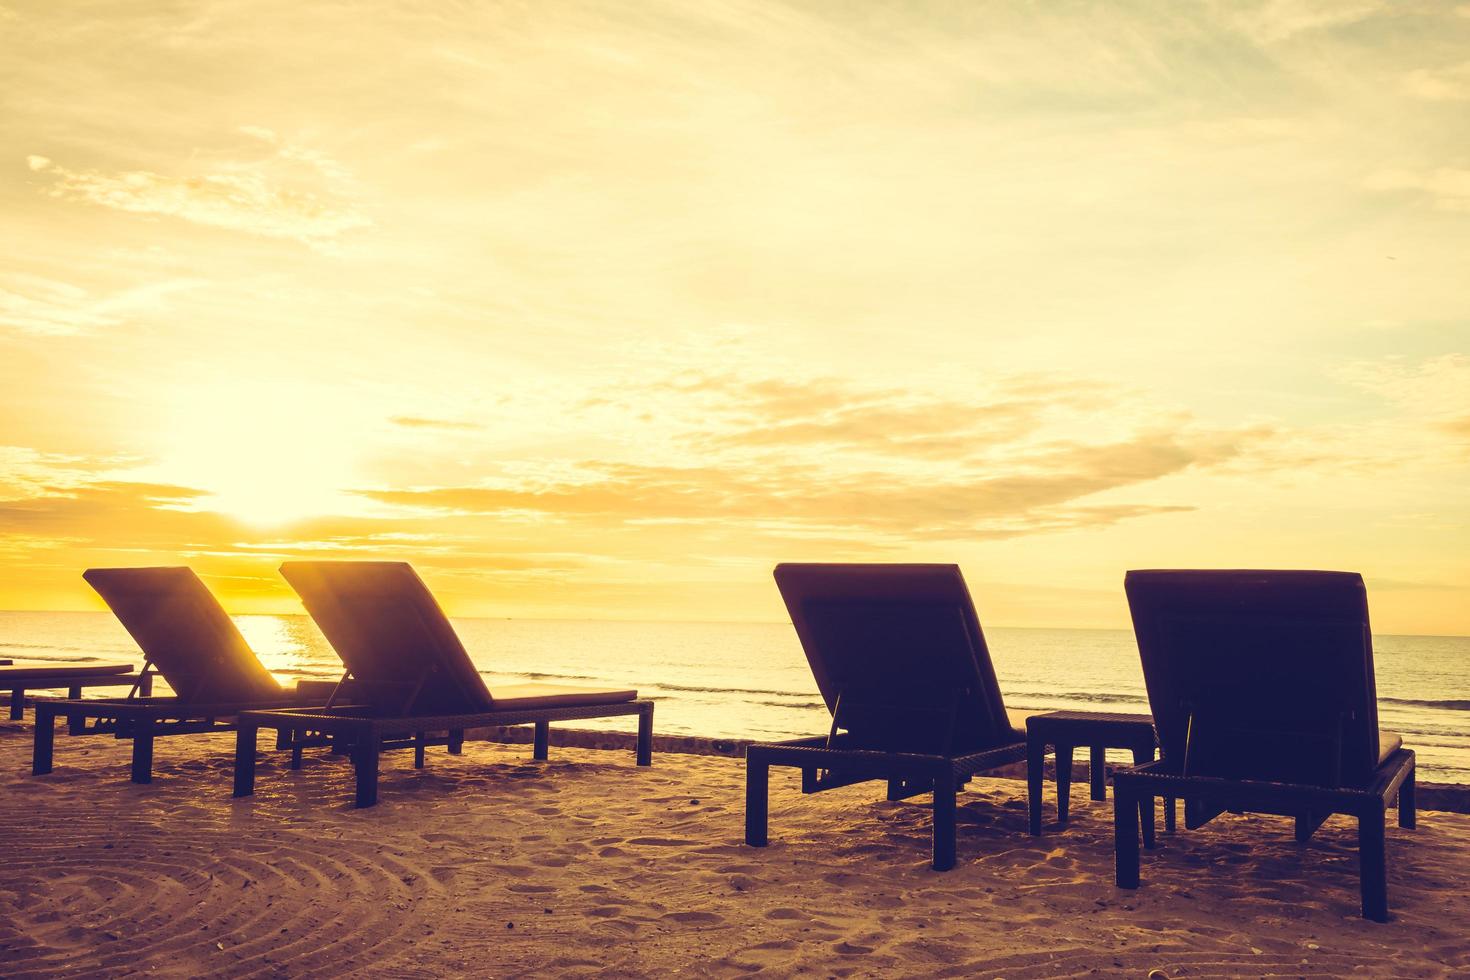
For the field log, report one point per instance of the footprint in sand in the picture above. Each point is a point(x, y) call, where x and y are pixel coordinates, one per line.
point(530, 889)
point(659, 841)
point(701, 918)
point(604, 912)
point(551, 861)
point(785, 913)
point(851, 949)
point(514, 870)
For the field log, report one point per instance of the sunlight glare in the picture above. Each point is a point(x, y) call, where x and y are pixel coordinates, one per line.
point(268, 454)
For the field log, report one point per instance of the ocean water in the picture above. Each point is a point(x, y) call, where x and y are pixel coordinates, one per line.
point(750, 680)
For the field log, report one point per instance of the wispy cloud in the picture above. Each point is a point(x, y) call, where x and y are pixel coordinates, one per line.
point(260, 197)
point(1448, 84)
point(812, 456)
point(419, 422)
point(1447, 188)
point(32, 304)
point(1272, 21)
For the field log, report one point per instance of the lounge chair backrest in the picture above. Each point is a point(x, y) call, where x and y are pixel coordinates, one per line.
point(1259, 674)
point(898, 655)
point(385, 625)
point(183, 631)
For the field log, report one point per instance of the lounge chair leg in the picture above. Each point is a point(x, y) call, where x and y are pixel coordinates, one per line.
point(1170, 804)
point(1097, 772)
point(245, 760)
point(1145, 803)
point(1408, 816)
point(365, 759)
point(1372, 865)
point(944, 823)
point(46, 740)
point(296, 742)
point(419, 739)
point(1035, 766)
point(1307, 824)
point(74, 692)
point(17, 704)
point(1125, 837)
point(143, 751)
point(543, 739)
point(456, 741)
point(757, 785)
point(145, 685)
point(1064, 781)
point(645, 735)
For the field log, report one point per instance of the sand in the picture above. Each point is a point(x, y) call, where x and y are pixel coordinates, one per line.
point(493, 864)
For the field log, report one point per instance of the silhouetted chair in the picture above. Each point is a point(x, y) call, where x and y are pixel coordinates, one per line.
point(41, 676)
point(1261, 685)
point(412, 676)
point(898, 655)
point(191, 641)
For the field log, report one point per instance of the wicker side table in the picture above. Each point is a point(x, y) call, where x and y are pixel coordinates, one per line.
point(1099, 731)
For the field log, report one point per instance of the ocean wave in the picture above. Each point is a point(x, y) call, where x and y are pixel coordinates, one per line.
point(737, 690)
point(1448, 705)
point(1036, 698)
point(539, 676)
point(63, 660)
point(8, 644)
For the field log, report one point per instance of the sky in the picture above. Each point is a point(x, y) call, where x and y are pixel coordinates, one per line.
point(600, 310)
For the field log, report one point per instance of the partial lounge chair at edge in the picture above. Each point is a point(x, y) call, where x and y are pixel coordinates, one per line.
point(1261, 685)
point(41, 676)
point(411, 671)
point(898, 655)
point(191, 641)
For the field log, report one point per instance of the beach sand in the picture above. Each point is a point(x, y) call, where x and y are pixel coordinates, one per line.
point(493, 864)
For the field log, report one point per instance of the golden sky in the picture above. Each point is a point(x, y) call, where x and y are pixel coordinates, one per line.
point(601, 309)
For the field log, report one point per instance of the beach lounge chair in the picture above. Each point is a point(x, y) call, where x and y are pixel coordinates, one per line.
point(413, 676)
point(1261, 685)
point(901, 663)
point(43, 676)
point(191, 641)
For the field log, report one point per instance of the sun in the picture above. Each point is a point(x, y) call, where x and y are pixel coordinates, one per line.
point(265, 453)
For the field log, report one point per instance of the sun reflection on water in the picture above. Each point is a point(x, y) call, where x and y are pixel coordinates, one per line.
point(287, 646)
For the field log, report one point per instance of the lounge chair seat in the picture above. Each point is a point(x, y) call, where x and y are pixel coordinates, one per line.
point(40, 676)
point(898, 655)
point(413, 679)
point(1263, 697)
point(188, 638)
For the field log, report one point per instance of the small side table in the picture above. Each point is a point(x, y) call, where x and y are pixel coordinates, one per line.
point(1098, 730)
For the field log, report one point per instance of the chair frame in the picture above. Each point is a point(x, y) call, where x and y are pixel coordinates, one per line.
point(363, 735)
point(72, 682)
point(1206, 796)
point(142, 718)
point(826, 764)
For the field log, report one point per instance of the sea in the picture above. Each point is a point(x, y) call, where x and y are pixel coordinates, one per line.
point(751, 680)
